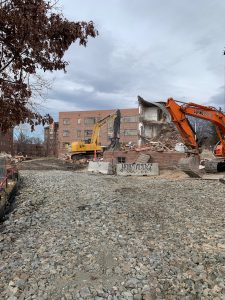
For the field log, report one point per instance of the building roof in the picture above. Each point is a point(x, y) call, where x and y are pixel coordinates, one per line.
point(160, 104)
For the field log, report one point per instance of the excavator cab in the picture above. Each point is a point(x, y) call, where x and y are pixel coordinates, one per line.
point(218, 150)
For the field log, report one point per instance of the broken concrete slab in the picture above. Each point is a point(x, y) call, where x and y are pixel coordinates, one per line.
point(143, 158)
point(137, 169)
point(100, 167)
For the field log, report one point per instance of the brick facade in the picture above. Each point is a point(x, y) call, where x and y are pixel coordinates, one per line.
point(78, 125)
point(166, 160)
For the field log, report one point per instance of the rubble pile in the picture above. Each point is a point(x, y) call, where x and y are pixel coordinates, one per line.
point(14, 159)
point(166, 141)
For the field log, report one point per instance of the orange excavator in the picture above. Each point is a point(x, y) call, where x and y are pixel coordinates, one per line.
point(179, 112)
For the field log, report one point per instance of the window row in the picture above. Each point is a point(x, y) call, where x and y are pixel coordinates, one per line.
point(93, 120)
point(88, 133)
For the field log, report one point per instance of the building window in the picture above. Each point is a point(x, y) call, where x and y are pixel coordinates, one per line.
point(79, 121)
point(121, 160)
point(130, 132)
point(66, 121)
point(130, 119)
point(89, 121)
point(87, 132)
point(66, 132)
point(78, 133)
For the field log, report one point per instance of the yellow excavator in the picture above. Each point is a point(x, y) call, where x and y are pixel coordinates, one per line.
point(80, 149)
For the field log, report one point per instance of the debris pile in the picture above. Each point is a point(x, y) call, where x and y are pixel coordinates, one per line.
point(166, 141)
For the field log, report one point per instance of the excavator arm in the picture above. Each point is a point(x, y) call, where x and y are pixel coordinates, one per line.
point(182, 123)
point(179, 113)
point(97, 127)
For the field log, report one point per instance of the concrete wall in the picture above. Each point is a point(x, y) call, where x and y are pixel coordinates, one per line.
point(152, 130)
point(166, 160)
point(152, 117)
point(100, 167)
point(139, 169)
point(151, 113)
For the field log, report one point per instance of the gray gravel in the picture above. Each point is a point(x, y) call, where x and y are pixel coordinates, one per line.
point(80, 236)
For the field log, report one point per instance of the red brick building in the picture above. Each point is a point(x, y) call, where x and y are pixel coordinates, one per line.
point(78, 125)
point(51, 139)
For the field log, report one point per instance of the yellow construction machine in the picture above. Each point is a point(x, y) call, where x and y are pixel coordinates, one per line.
point(80, 149)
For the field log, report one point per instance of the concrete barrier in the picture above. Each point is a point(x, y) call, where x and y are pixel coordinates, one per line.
point(100, 167)
point(137, 169)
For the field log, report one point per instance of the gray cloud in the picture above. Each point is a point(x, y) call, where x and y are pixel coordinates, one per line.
point(218, 99)
point(155, 49)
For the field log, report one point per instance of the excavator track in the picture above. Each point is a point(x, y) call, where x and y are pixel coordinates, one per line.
point(215, 166)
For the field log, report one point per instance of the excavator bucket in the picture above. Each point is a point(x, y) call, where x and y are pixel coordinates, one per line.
point(190, 166)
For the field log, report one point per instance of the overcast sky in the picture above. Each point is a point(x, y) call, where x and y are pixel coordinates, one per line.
point(152, 48)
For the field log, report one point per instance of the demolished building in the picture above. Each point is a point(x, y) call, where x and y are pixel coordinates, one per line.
point(155, 127)
point(153, 117)
point(157, 137)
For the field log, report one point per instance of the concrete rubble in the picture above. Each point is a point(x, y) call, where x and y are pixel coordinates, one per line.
point(100, 167)
point(165, 141)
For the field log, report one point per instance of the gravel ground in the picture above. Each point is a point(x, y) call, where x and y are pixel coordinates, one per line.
point(47, 163)
point(75, 235)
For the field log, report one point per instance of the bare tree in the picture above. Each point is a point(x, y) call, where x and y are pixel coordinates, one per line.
point(33, 37)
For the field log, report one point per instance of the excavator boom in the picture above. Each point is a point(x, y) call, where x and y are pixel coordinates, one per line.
point(182, 123)
point(179, 113)
point(98, 126)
